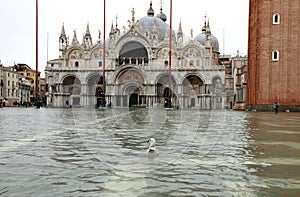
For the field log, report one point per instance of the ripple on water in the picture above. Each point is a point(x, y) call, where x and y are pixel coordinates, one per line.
point(83, 152)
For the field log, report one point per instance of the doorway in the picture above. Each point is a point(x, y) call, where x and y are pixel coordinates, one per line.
point(133, 100)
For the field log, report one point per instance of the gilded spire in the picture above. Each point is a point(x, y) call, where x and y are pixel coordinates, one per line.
point(88, 30)
point(112, 30)
point(63, 33)
point(75, 41)
point(180, 27)
point(208, 27)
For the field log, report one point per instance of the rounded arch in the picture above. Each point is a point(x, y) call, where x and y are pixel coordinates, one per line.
point(93, 80)
point(132, 88)
point(128, 37)
point(192, 80)
point(76, 53)
point(72, 85)
point(70, 79)
point(276, 19)
point(133, 52)
point(96, 53)
point(163, 82)
point(199, 75)
point(129, 75)
point(193, 84)
point(164, 79)
point(134, 92)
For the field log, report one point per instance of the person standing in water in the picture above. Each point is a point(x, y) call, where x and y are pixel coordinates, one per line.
point(275, 107)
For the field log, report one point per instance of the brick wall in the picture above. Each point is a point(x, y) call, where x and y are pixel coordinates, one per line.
point(268, 80)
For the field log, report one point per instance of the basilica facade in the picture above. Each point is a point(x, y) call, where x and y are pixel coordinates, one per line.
point(136, 70)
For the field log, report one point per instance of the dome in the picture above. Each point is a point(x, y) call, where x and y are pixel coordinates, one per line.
point(151, 23)
point(162, 16)
point(201, 38)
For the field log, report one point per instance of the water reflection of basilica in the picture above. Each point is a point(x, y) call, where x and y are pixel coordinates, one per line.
point(136, 67)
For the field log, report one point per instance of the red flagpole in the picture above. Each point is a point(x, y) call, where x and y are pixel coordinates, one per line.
point(36, 50)
point(169, 103)
point(170, 50)
point(104, 42)
point(104, 54)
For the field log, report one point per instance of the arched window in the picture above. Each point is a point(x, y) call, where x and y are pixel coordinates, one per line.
point(132, 52)
point(166, 63)
point(275, 55)
point(276, 19)
point(76, 64)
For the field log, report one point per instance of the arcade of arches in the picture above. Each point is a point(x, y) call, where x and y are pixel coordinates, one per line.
point(137, 71)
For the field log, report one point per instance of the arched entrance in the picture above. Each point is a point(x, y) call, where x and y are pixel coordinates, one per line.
point(94, 90)
point(133, 93)
point(193, 90)
point(167, 96)
point(166, 91)
point(129, 88)
point(71, 91)
point(99, 94)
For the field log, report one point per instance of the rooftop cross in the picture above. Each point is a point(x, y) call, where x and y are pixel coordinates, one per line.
point(133, 12)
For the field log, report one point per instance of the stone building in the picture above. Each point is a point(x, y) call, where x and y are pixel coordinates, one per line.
point(239, 68)
point(28, 73)
point(24, 91)
point(10, 88)
point(1, 84)
point(137, 67)
point(273, 52)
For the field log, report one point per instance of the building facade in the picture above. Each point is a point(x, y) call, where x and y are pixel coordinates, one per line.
point(10, 87)
point(240, 77)
point(136, 68)
point(273, 53)
point(24, 91)
point(1, 84)
point(26, 72)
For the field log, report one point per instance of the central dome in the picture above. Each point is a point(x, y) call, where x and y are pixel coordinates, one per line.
point(152, 24)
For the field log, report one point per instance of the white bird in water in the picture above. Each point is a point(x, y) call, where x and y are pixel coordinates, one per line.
point(152, 146)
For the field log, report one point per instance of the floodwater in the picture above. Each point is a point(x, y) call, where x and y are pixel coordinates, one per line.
point(88, 152)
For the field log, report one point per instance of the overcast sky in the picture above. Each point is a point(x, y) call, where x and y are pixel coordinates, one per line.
point(228, 22)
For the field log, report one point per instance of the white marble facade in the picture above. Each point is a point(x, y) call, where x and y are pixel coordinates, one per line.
point(137, 68)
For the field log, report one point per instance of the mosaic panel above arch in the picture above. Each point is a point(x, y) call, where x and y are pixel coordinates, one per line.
point(76, 54)
point(164, 52)
point(97, 53)
point(129, 76)
point(192, 52)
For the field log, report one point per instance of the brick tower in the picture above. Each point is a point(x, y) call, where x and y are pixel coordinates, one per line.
point(274, 55)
